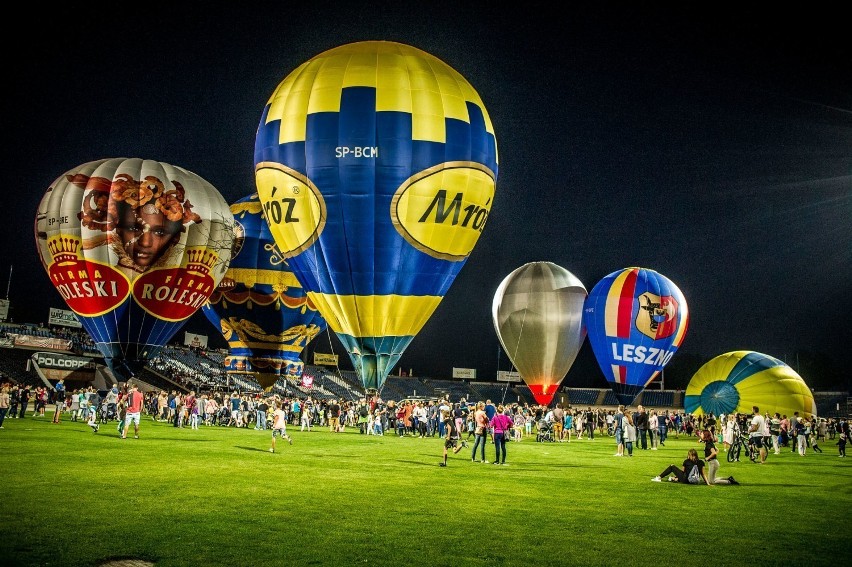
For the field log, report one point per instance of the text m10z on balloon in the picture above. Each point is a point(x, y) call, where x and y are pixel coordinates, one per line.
point(357, 151)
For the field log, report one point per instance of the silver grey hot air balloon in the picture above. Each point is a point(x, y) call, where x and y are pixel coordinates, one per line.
point(538, 316)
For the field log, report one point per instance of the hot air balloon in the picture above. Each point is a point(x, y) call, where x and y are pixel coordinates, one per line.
point(636, 319)
point(260, 306)
point(376, 164)
point(538, 316)
point(736, 381)
point(134, 247)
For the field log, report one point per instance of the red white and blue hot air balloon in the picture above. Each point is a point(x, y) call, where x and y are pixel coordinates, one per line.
point(635, 319)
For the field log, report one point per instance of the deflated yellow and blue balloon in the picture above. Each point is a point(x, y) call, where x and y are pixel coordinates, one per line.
point(635, 319)
point(260, 306)
point(736, 381)
point(376, 164)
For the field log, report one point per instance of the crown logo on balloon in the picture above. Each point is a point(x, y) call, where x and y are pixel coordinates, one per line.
point(64, 248)
point(201, 260)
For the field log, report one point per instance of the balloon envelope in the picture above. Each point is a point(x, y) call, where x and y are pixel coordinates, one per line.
point(636, 319)
point(736, 381)
point(134, 247)
point(260, 306)
point(538, 315)
point(376, 164)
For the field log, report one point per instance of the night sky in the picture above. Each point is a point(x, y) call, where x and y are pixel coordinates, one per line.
point(712, 146)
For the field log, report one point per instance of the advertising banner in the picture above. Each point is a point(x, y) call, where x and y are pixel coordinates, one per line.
point(62, 361)
point(506, 376)
point(466, 373)
point(194, 340)
point(29, 341)
point(323, 359)
point(64, 318)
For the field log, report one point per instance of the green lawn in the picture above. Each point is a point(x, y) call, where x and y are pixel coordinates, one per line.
point(216, 496)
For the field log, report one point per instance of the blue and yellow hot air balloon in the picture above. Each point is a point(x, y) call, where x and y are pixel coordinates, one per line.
point(635, 319)
point(376, 164)
point(736, 381)
point(260, 306)
point(134, 247)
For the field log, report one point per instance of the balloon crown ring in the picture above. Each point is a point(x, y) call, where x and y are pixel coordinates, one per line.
point(201, 260)
point(64, 248)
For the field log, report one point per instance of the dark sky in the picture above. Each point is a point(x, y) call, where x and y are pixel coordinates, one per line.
point(711, 145)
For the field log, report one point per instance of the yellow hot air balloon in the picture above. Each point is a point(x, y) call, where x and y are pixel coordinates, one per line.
point(736, 381)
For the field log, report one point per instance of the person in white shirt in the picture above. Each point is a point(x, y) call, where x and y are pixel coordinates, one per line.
point(755, 433)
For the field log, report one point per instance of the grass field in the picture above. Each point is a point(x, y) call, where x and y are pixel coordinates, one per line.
point(216, 496)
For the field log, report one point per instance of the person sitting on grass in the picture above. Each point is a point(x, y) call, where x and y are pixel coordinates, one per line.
point(711, 454)
point(686, 475)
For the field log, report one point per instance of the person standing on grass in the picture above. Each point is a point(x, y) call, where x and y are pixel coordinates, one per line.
point(135, 399)
point(451, 435)
point(558, 422)
point(619, 431)
point(14, 396)
point(653, 427)
point(814, 435)
point(755, 433)
point(59, 400)
point(25, 400)
point(628, 435)
point(480, 431)
point(500, 424)
point(842, 437)
point(568, 424)
point(5, 401)
point(279, 425)
point(111, 400)
point(640, 420)
point(334, 417)
point(775, 432)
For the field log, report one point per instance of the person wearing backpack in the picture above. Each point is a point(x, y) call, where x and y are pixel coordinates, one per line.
point(693, 471)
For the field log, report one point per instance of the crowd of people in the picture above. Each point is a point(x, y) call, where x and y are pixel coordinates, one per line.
point(482, 422)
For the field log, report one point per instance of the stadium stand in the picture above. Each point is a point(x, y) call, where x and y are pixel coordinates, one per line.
point(657, 399)
point(583, 397)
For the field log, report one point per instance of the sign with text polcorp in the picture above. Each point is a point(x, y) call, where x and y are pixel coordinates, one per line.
point(62, 361)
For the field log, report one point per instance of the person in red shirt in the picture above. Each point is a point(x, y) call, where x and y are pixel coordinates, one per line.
point(134, 411)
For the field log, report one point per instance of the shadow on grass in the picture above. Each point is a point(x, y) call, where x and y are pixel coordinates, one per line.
point(251, 448)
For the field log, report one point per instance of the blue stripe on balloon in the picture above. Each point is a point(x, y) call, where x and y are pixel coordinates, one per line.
point(751, 364)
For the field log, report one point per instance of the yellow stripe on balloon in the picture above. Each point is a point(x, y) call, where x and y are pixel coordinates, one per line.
point(404, 78)
point(613, 302)
point(375, 315)
point(251, 277)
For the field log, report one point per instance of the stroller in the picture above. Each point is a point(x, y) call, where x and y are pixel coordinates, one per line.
point(545, 431)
